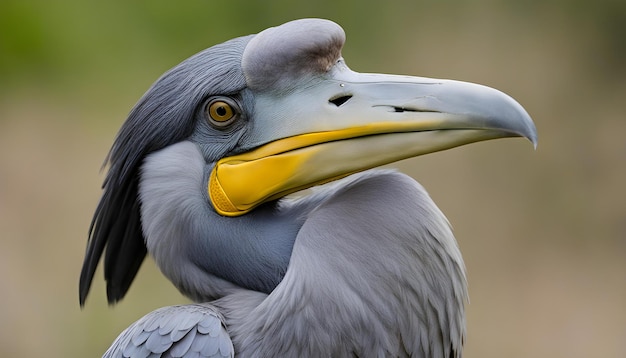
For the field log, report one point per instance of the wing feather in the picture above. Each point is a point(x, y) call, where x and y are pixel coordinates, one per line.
point(195, 330)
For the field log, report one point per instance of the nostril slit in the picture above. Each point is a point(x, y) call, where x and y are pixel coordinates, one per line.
point(338, 101)
point(418, 110)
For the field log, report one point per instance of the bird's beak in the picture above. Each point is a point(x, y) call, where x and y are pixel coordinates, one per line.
point(351, 122)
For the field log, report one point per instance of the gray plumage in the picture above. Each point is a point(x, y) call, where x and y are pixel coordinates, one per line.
point(407, 258)
point(194, 330)
point(363, 266)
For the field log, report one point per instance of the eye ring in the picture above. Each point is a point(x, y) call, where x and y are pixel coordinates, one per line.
point(221, 112)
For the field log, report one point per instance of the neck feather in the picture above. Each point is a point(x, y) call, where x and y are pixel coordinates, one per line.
point(204, 254)
point(360, 282)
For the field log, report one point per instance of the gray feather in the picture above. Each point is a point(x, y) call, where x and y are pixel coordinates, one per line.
point(163, 116)
point(183, 345)
point(192, 244)
point(403, 288)
point(195, 330)
point(406, 262)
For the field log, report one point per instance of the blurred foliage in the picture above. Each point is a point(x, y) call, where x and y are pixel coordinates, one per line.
point(69, 40)
point(543, 234)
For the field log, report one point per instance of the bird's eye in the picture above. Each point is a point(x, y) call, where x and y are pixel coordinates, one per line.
point(221, 112)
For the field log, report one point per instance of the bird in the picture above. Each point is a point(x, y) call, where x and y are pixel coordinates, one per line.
point(208, 174)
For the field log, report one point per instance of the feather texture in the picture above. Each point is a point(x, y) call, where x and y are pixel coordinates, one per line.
point(194, 330)
point(402, 278)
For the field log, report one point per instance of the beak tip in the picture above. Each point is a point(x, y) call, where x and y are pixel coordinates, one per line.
point(530, 132)
point(534, 141)
point(519, 120)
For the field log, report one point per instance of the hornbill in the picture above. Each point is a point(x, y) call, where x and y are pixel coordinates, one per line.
point(199, 176)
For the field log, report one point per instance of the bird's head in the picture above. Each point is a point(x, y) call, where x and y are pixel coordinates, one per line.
point(278, 112)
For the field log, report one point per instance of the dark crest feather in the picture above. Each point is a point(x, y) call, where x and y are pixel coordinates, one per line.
point(163, 116)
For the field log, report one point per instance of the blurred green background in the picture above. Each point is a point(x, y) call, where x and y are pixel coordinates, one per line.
point(543, 232)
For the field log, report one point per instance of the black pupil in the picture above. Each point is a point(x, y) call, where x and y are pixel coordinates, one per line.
point(221, 111)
